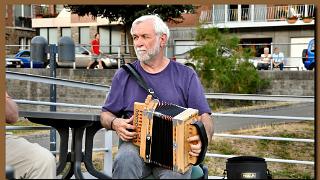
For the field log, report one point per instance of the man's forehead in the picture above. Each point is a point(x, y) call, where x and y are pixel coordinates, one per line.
point(143, 29)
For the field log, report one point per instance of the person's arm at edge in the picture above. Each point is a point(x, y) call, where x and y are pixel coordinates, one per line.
point(106, 118)
point(12, 114)
point(207, 121)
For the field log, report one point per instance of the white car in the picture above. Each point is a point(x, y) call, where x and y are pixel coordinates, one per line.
point(83, 57)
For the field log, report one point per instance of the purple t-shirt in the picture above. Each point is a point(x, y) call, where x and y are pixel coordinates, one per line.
point(177, 84)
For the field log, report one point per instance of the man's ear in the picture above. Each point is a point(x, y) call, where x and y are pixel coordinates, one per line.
point(163, 40)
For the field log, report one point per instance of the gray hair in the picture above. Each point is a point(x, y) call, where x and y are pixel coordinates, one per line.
point(160, 27)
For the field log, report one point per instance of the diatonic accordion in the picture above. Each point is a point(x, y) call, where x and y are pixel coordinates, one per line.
point(163, 130)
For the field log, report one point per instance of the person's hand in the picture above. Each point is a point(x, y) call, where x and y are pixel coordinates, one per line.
point(195, 144)
point(123, 127)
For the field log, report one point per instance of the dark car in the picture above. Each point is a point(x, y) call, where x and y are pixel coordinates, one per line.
point(13, 63)
point(24, 56)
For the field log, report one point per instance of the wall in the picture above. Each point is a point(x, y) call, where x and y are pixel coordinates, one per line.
point(300, 83)
point(297, 83)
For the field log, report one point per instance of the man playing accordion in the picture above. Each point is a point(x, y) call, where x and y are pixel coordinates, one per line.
point(172, 82)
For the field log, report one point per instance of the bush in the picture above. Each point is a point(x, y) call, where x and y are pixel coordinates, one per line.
point(222, 66)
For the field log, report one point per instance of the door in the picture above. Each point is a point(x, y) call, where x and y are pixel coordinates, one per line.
point(296, 48)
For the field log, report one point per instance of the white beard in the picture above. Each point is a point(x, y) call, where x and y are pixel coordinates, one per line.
point(148, 55)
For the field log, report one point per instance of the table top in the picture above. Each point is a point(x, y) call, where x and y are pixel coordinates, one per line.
point(60, 115)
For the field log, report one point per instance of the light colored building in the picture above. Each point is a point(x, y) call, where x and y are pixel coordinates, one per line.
point(82, 30)
point(258, 25)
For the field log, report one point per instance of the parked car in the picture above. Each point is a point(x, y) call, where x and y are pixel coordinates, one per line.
point(308, 56)
point(83, 57)
point(24, 56)
point(185, 58)
point(13, 63)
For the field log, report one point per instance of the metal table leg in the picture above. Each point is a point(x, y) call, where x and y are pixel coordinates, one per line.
point(64, 138)
point(90, 132)
point(76, 158)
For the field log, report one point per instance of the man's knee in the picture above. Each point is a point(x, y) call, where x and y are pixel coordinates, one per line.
point(128, 156)
point(45, 159)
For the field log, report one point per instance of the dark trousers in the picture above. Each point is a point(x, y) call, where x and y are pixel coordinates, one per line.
point(280, 66)
point(264, 66)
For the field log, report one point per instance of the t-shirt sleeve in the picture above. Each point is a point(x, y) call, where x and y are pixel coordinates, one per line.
point(114, 100)
point(196, 98)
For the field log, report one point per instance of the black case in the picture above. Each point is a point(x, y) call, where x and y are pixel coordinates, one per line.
point(247, 167)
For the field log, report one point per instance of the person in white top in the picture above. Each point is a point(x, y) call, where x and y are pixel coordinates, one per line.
point(265, 60)
point(277, 58)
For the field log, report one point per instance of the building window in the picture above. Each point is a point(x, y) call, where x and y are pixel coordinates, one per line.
point(22, 15)
point(44, 33)
point(245, 12)
point(110, 39)
point(53, 36)
point(115, 39)
point(104, 32)
point(28, 43)
point(84, 35)
point(21, 43)
point(236, 10)
point(66, 32)
point(233, 12)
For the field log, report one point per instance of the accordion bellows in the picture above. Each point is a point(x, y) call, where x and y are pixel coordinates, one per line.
point(163, 130)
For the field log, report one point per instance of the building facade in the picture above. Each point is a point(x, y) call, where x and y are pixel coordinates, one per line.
point(257, 26)
point(18, 31)
point(82, 30)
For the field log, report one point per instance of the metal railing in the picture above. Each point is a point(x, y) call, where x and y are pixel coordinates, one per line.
point(108, 155)
point(256, 14)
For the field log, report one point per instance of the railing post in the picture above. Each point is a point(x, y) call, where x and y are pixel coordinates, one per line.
point(252, 13)
point(226, 10)
point(107, 163)
point(53, 93)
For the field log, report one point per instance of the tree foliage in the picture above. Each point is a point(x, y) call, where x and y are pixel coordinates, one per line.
point(126, 14)
point(223, 65)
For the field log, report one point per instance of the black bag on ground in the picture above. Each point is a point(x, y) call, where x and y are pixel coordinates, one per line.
point(247, 167)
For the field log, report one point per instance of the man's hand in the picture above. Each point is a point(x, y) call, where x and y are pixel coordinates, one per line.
point(122, 127)
point(195, 144)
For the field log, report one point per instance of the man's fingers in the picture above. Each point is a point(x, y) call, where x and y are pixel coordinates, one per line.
point(194, 138)
point(124, 137)
point(129, 123)
point(129, 120)
point(195, 148)
point(193, 154)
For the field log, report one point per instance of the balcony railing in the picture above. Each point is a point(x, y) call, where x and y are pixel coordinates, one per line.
point(256, 14)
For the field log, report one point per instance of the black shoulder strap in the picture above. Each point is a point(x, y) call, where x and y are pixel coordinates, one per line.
point(139, 79)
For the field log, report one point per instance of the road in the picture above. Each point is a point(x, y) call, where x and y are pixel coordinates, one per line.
point(221, 123)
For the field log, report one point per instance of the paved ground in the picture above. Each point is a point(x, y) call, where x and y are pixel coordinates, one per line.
point(221, 123)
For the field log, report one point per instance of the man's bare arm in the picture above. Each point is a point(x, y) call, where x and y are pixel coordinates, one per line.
point(207, 121)
point(11, 110)
point(106, 118)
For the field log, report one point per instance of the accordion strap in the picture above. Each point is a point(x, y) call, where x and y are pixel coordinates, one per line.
point(204, 140)
point(139, 79)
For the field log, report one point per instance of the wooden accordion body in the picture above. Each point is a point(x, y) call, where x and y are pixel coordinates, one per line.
point(162, 131)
